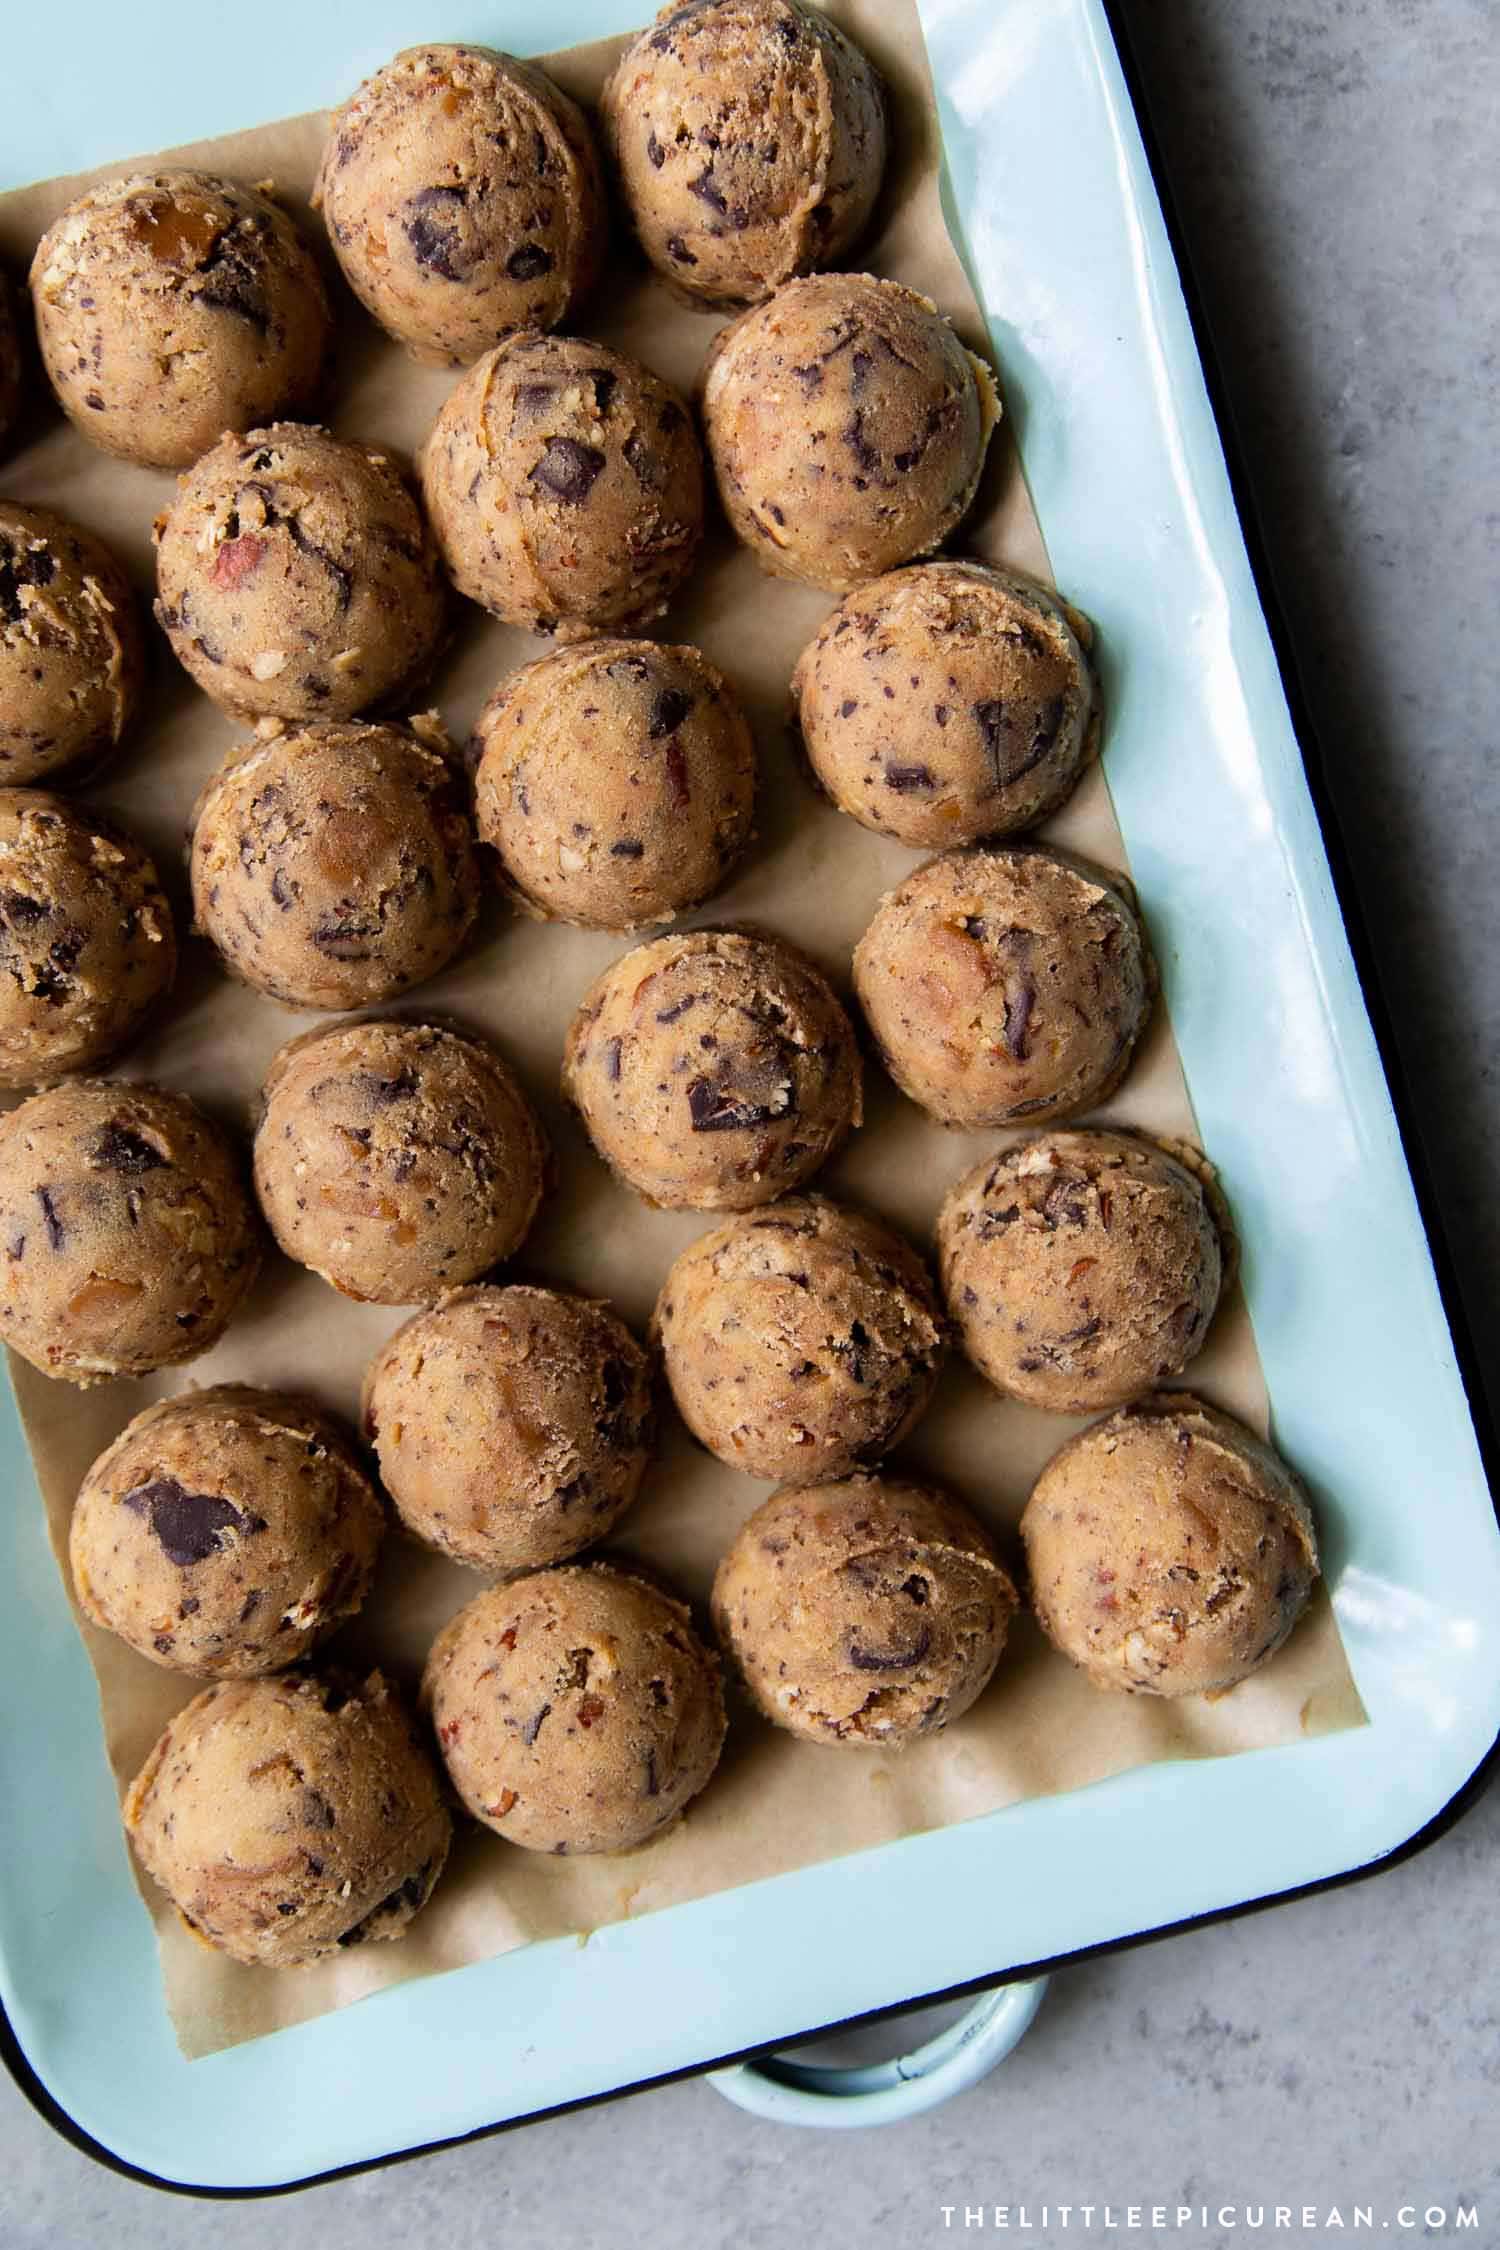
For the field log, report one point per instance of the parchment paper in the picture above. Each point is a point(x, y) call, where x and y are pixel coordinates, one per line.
point(813, 875)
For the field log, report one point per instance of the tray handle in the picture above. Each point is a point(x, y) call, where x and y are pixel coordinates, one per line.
point(790, 2092)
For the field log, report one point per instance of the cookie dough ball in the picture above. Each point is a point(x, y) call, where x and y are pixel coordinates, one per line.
point(296, 576)
point(512, 1426)
point(225, 1532)
point(800, 1341)
point(750, 140)
point(616, 781)
point(127, 1238)
point(947, 703)
point(289, 1818)
point(334, 865)
point(713, 1071)
point(396, 1159)
point(565, 486)
point(72, 654)
point(463, 200)
point(1082, 1268)
point(863, 1613)
point(577, 1710)
point(847, 426)
point(172, 306)
point(10, 363)
point(1170, 1551)
point(87, 946)
point(1006, 984)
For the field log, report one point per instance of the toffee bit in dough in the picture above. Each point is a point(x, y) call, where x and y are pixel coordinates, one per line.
point(289, 1818)
point(713, 1070)
point(72, 654)
point(565, 487)
point(1082, 1268)
point(296, 577)
point(948, 703)
point(463, 200)
point(576, 1709)
point(87, 945)
point(616, 781)
point(333, 865)
point(1171, 1552)
point(1006, 984)
point(800, 1341)
point(127, 1238)
point(847, 426)
point(513, 1426)
point(207, 1498)
point(173, 306)
point(397, 1160)
point(864, 1613)
point(750, 139)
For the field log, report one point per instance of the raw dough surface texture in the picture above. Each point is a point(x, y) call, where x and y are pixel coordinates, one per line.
point(173, 306)
point(127, 1236)
point(749, 138)
point(513, 1426)
point(1170, 1551)
point(87, 945)
point(463, 200)
point(576, 1709)
point(565, 486)
point(616, 780)
point(397, 1159)
point(864, 1613)
point(286, 1818)
point(713, 1070)
point(847, 426)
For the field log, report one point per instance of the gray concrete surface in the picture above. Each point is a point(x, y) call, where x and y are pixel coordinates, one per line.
point(1335, 167)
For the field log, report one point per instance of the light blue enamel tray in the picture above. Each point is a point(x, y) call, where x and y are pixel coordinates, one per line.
point(1056, 201)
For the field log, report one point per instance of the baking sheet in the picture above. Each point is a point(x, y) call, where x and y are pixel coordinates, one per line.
point(814, 876)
